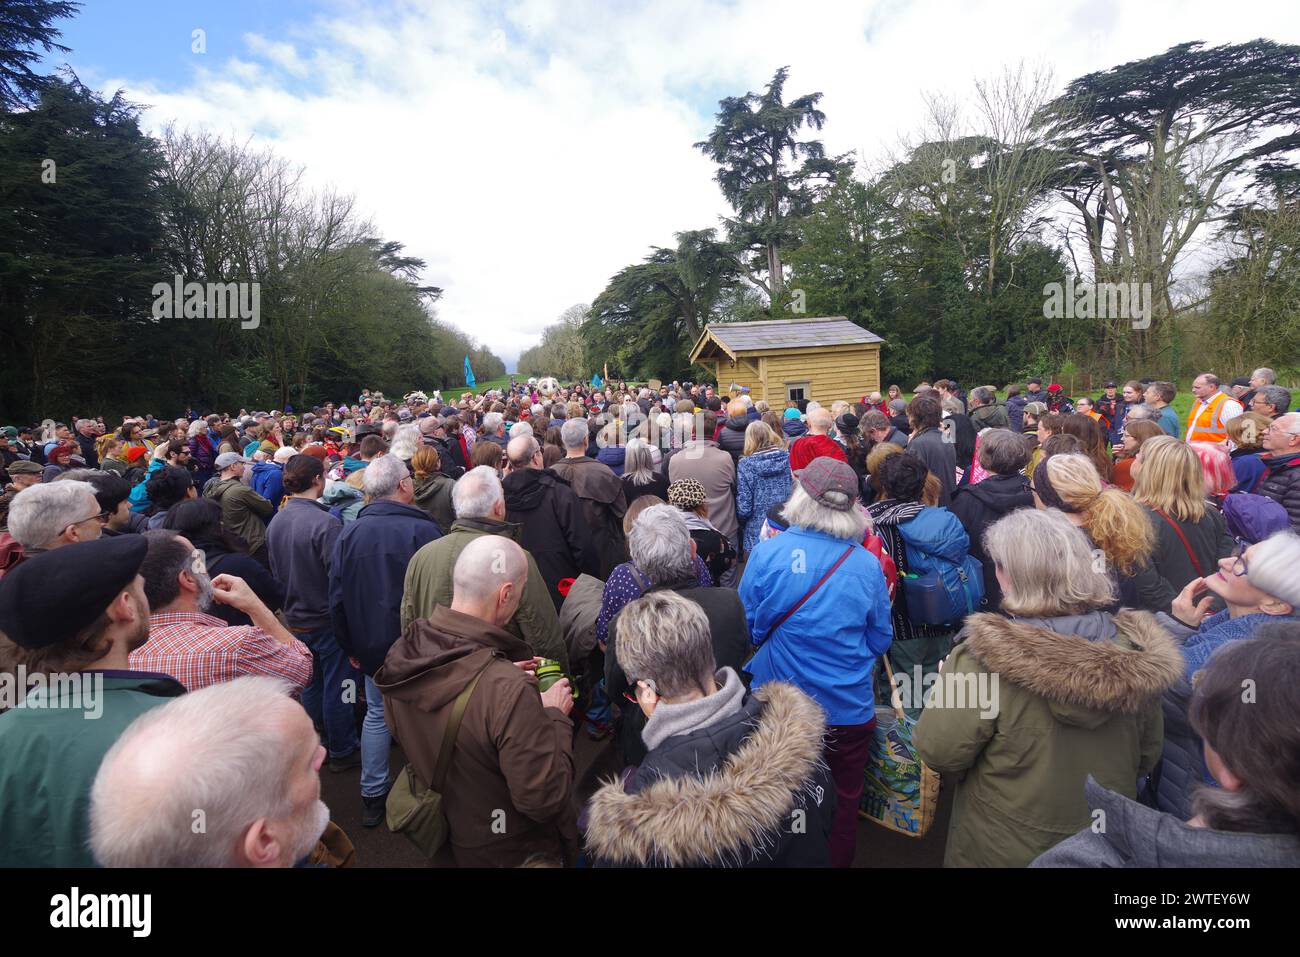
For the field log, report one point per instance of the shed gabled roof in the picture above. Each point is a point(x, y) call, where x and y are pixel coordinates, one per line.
point(774, 334)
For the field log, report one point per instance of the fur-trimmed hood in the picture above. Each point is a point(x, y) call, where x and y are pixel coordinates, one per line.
point(1085, 680)
point(729, 816)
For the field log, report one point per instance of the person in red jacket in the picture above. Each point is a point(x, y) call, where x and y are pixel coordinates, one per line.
point(817, 442)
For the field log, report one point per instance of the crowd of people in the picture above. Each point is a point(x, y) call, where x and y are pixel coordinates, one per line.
point(710, 582)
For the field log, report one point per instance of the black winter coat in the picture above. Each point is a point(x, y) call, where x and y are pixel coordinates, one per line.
point(552, 527)
point(732, 437)
point(751, 790)
point(979, 506)
point(1282, 484)
point(1159, 581)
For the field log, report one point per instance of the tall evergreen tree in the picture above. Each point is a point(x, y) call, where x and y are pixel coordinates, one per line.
point(767, 174)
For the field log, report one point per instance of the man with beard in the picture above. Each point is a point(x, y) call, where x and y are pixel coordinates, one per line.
point(197, 648)
point(68, 620)
point(243, 753)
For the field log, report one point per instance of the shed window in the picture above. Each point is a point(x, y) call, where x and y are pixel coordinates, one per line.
point(798, 391)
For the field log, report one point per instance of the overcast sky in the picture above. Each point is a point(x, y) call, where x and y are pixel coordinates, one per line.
point(530, 150)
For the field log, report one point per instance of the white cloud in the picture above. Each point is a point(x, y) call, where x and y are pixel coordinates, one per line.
point(529, 154)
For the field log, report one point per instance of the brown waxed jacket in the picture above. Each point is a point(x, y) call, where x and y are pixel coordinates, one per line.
point(509, 789)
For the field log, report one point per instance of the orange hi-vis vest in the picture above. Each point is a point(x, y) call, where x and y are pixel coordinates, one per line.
point(1204, 423)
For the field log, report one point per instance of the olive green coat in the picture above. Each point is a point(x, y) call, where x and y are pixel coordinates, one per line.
point(1067, 706)
point(428, 584)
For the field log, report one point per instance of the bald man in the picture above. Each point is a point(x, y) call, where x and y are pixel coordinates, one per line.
point(227, 776)
point(552, 524)
point(817, 443)
point(508, 790)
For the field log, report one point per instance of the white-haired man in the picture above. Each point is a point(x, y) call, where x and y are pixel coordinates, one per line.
point(508, 788)
point(817, 442)
point(45, 517)
point(1281, 482)
point(367, 573)
point(481, 510)
point(241, 759)
point(494, 429)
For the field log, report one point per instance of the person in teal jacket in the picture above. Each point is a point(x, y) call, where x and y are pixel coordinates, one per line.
point(80, 693)
point(174, 452)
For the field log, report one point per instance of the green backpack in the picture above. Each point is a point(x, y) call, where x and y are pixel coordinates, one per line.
point(414, 809)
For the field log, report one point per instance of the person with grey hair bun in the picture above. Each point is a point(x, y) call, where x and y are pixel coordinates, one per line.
point(243, 753)
point(730, 778)
point(663, 551)
point(367, 573)
point(818, 610)
point(1069, 690)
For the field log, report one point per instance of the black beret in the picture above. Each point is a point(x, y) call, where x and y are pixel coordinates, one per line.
point(52, 596)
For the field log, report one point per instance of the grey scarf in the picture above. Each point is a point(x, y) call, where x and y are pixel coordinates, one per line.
point(669, 720)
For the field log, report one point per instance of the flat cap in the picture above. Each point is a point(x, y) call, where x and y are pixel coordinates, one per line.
point(51, 597)
point(23, 467)
point(825, 474)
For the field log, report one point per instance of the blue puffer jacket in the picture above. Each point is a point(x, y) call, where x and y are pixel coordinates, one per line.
point(828, 648)
point(762, 480)
point(793, 428)
point(268, 482)
point(367, 572)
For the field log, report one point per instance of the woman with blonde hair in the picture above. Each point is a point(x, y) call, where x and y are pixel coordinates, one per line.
point(1191, 534)
point(1136, 431)
point(1113, 522)
point(762, 480)
point(1079, 696)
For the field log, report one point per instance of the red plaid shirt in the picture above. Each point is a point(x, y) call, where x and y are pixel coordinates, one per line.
point(199, 650)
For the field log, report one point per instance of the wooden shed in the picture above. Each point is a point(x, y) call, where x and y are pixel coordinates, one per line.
point(824, 359)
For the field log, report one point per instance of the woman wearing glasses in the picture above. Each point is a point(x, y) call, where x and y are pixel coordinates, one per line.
point(1258, 584)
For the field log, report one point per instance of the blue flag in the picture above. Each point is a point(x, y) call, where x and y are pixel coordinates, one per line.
point(469, 374)
point(596, 383)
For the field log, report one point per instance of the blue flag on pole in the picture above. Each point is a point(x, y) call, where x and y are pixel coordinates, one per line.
point(469, 374)
point(595, 381)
